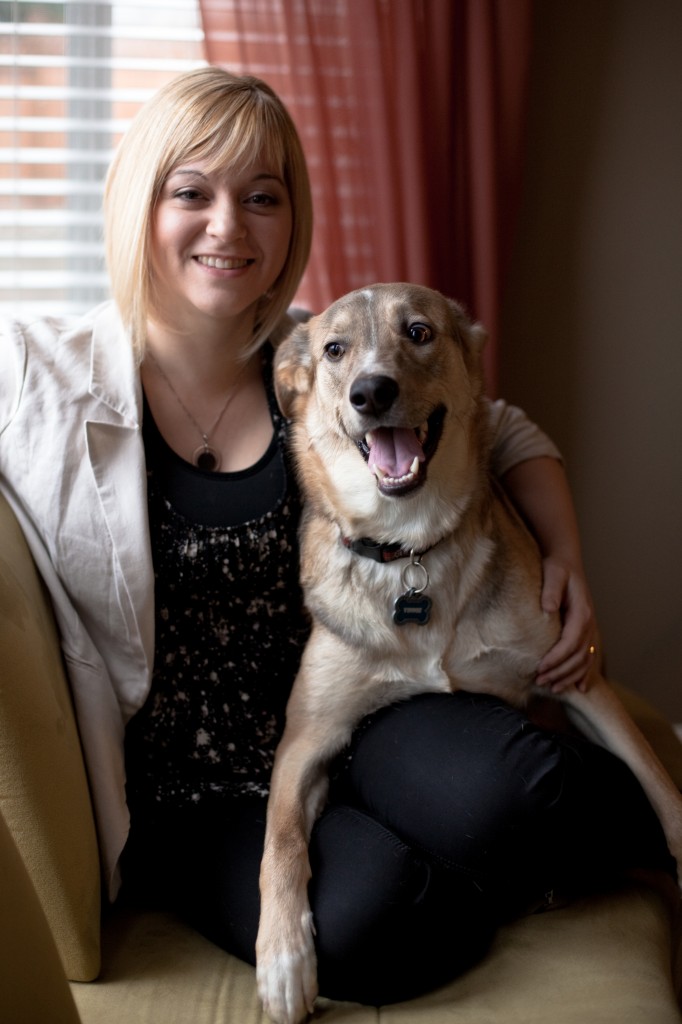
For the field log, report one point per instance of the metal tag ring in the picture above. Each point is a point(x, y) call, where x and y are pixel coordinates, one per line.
point(414, 563)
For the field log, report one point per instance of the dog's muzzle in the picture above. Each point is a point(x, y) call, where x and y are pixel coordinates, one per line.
point(399, 456)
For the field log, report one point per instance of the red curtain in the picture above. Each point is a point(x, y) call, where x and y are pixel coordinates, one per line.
point(411, 114)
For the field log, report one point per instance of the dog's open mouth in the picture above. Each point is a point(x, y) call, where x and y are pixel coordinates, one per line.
point(398, 456)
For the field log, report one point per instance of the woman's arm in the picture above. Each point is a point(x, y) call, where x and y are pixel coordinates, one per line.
point(540, 490)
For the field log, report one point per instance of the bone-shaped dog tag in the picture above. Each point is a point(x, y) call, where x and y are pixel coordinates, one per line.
point(412, 607)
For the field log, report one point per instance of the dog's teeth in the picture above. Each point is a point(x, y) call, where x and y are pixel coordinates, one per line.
point(379, 472)
point(369, 438)
point(414, 468)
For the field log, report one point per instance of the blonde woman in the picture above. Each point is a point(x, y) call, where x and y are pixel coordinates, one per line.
point(142, 449)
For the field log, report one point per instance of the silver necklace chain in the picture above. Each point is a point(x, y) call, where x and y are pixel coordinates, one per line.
point(205, 456)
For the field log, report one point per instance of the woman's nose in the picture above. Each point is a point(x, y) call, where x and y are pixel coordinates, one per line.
point(226, 220)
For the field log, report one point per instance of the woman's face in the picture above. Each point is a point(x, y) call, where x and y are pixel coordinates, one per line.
point(219, 241)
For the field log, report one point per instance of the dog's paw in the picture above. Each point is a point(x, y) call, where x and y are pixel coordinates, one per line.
point(286, 972)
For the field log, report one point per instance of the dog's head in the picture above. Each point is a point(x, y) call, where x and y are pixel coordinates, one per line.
point(388, 375)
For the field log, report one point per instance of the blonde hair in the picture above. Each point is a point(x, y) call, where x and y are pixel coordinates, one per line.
point(212, 115)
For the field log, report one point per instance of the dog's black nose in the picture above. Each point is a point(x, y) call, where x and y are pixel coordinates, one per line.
point(373, 394)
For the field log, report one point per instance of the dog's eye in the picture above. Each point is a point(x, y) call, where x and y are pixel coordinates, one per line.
point(334, 351)
point(419, 333)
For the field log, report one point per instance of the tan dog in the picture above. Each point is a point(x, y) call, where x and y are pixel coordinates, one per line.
point(385, 393)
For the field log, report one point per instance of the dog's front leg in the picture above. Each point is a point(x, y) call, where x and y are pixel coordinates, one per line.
point(285, 955)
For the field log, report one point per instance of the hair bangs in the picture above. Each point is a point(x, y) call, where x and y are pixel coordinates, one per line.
point(232, 141)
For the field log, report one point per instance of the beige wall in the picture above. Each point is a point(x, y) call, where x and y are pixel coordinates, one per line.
point(592, 334)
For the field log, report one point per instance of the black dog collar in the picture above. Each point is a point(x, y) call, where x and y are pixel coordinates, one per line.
point(378, 552)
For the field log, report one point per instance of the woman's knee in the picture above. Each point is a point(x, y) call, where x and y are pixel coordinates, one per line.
point(389, 925)
point(455, 775)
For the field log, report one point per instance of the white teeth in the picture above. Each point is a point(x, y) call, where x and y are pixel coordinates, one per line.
point(214, 261)
point(381, 475)
point(369, 438)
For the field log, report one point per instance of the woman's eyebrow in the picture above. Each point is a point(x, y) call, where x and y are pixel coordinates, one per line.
point(187, 170)
point(195, 172)
point(268, 176)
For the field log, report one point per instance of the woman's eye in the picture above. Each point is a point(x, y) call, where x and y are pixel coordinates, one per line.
point(188, 195)
point(261, 199)
point(334, 351)
point(419, 333)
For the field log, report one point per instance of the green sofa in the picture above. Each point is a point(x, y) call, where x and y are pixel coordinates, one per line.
point(611, 958)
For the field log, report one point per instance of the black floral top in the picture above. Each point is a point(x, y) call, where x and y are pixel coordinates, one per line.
point(230, 629)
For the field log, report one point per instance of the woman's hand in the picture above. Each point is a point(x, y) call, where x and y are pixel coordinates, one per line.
point(569, 662)
point(540, 491)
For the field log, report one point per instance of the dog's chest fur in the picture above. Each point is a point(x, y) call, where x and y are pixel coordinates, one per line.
point(485, 632)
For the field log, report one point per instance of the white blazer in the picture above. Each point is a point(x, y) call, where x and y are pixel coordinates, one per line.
point(72, 466)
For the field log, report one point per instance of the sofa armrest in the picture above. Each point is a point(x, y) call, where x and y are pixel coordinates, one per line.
point(32, 980)
point(44, 796)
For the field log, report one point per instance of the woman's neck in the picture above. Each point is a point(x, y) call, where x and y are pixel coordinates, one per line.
point(202, 386)
point(207, 359)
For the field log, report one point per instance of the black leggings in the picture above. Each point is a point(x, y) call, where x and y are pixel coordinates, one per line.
point(450, 814)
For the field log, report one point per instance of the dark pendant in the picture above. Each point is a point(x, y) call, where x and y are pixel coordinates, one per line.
point(412, 606)
point(207, 458)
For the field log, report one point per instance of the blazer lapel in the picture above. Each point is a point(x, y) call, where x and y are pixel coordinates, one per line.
point(116, 453)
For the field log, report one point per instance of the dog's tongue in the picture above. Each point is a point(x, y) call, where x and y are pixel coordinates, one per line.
point(393, 450)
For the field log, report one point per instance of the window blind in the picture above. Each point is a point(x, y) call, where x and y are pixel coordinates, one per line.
point(72, 76)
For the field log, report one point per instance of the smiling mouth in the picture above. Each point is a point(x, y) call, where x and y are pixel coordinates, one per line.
point(398, 456)
point(222, 264)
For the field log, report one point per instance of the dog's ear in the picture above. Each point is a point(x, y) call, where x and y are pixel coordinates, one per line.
point(472, 335)
point(293, 368)
point(477, 337)
point(473, 338)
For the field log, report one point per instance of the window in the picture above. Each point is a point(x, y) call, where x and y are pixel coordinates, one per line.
point(72, 76)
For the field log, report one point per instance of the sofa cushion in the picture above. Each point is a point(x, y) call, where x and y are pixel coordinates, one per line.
point(158, 970)
point(44, 797)
point(603, 959)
